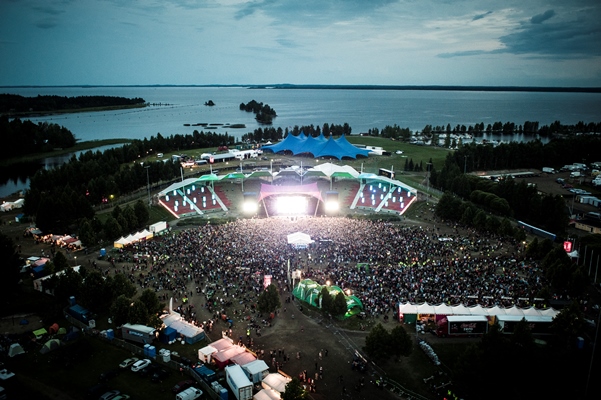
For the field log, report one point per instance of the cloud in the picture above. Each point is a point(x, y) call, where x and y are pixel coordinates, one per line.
point(48, 10)
point(289, 11)
point(540, 18)
point(568, 35)
point(47, 23)
point(480, 16)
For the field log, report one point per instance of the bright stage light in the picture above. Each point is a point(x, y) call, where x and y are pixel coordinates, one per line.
point(287, 205)
point(332, 205)
point(250, 207)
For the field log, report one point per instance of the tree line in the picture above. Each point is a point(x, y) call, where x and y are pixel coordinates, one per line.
point(14, 103)
point(63, 196)
point(275, 134)
point(528, 128)
point(508, 198)
point(24, 137)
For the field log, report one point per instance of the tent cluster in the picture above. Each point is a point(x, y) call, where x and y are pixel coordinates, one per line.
point(409, 312)
point(136, 237)
point(10, 205)
point(309, 291)
point(319, 146)
point(224, 352)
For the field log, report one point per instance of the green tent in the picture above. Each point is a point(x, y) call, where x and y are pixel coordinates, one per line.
point(308, 291)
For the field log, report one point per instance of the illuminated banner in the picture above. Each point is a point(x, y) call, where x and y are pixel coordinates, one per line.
point(266, 281)
point(567, 246)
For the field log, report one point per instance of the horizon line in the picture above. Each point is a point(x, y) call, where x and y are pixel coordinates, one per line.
point(344, 86)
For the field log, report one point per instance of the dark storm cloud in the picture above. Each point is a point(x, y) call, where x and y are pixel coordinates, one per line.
point(550, 35)
point(480, 16)
point(562, 39)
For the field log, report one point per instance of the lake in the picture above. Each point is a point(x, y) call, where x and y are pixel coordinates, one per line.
point(172, 107)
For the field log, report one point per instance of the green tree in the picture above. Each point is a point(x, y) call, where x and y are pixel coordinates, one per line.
point(325, 299)
point(120, 310)
point(68, 284)
point(138, 313)
point(60, 261)
point(151, 301)
point(269, 299)
point(294, 390)
point(377, 343)
point(339, 305)
point(142, 213)
point(86, 233)
point(401, 343)
point(96, 293)
point(112, 229)
point(121, 285)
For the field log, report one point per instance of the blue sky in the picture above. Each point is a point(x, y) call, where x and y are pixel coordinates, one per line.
point(373, 42)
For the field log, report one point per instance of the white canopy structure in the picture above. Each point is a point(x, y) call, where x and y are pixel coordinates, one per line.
point(276, 382)
point(299, 239)
point(425, 308)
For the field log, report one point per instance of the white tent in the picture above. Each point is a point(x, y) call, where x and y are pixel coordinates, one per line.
point(460, 309)
point(275, 382)
point(266, 394)
point(205, 354)
point(15, 349)
point(299, 239)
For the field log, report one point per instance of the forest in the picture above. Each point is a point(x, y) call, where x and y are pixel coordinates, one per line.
point(13, 103)
point(24, 137)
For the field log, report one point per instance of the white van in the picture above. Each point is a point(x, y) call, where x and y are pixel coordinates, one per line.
point(191, 393)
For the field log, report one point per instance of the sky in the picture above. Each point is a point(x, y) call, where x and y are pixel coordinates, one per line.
point(549, 43)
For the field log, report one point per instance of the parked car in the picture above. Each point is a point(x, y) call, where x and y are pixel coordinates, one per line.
point(128, 362)
point(183, 385)
point(140, 365)
point(159, 375)
point(109, 395)
point(110, 374)
point(95, 391)
point(120, 397)
point(149, 370)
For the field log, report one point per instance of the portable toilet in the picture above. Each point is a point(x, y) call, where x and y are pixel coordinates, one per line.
point(110, 334)
point(102, 252)
point(223, 393)
point(166, 356)
point(72, 301)
point(152, 352)
point(146, 346)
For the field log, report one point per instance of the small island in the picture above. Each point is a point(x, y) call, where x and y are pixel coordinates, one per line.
point(209, 103)
point(263, 113)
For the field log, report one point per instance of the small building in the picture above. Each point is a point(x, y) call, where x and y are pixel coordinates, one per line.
point(256, 370)
point(138, 333)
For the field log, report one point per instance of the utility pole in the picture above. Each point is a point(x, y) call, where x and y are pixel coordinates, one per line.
point(465, 164)
point(148, 184)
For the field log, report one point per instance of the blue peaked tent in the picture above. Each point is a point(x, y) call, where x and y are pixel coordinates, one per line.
point(317, 146)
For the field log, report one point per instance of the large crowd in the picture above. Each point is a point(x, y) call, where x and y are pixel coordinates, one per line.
point(397, 263)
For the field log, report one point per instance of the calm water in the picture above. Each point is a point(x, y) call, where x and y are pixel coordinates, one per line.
point(361, 109)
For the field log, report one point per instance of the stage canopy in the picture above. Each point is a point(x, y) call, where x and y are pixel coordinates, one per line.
point(317, 146)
